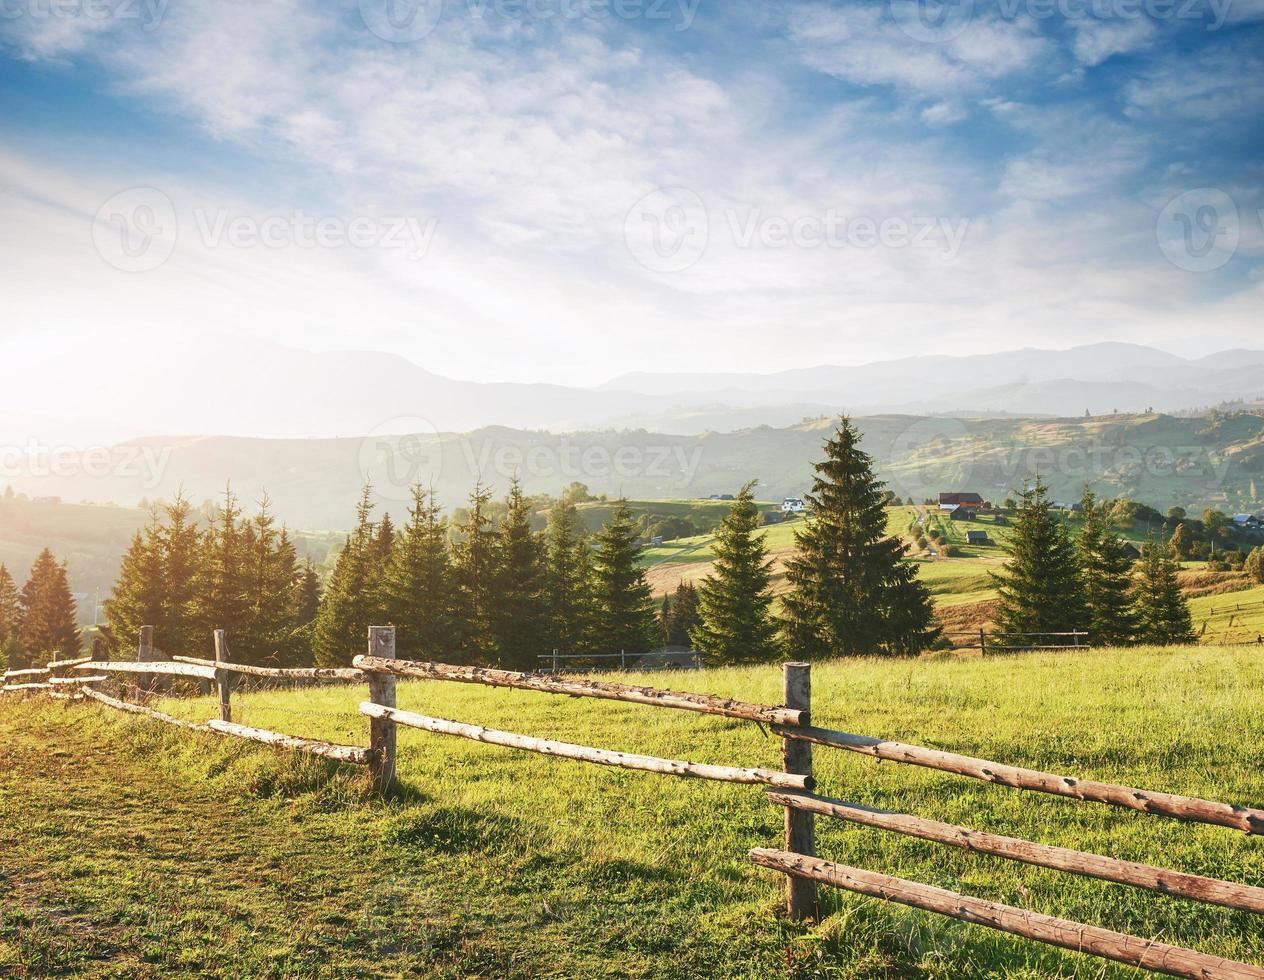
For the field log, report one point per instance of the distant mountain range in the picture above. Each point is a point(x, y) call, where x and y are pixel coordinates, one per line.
point(313, 483)
point(277, 392)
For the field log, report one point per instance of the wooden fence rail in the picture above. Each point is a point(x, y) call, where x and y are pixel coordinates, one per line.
point(579, 687)
point(1163, 804)
point(1118, 946)
point(1181, 884)
point(280, 673)
point(585, 753)
point(150, 667)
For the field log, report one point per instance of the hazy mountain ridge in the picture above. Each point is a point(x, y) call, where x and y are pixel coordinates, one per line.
point(313, 483)
point(276, 392)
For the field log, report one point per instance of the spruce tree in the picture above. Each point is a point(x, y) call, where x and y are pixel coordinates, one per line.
point(623, 605)
point(48, 613)
point(568, 580)
point(418, 588)
point(12, 653)
point(136, 599)
point(1040, 588)
point(685, 614)
point(519, 612)
point(1162, 612)
point(221, 601)
point(352, 602)
point(178, 630)
point(474, 557)
point(271, 568)
point(850, 591)
point(734, 601)
point(1106, 574)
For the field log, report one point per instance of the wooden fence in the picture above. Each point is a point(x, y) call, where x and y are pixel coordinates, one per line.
point(791, 787)
point(1003, 642)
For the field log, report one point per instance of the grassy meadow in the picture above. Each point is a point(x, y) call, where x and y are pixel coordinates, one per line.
point(129, 848)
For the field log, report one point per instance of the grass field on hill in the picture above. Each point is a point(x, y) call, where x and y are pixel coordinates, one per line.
point(129, 848)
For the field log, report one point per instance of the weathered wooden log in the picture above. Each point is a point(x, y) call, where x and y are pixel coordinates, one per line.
point(1178, 883)
point(92, 679)
point(67, 664)
point(28, 672)
point(223, 679)
point(584, 753)
point(27, 687)
point(140, 709)
point(582, 688)
point(341, 753)
point(382, 731)
point(1163, 804)
point(1118, 946)
point(155, 667)
point(290, 673)
point(65, 696)
point(800, 825)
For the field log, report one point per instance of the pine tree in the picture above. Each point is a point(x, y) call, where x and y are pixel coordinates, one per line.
point(734, 601)
point(306, 595)
point(137, 597)
point(850, 591)
point(474, 558)
point(685, 615)
point(1040, 588)
point(568, 580)
point(1162, 612)
point(418, 589)
point(221, 601)
point(1106, 574)
point(12, 653)
point(48, 612)
point(271, 568)
point(177, 630)
point(519, 613)
point(352, 602)
point(623, 607)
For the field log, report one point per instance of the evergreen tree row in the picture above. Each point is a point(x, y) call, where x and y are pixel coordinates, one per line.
point(240, 574)
point(1052, 584)
point(37, 622)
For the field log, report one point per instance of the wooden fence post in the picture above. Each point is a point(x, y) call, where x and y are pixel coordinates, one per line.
point(223, 678)
point(145, 654)
point(382, 691)
point(801, 902)
point(982, 643)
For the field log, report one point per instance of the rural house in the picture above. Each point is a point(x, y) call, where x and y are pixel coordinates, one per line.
point(793, 505)
point(977, 537)
point(950, 501)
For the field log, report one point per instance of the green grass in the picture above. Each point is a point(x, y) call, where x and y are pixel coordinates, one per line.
point(1235, 617)
point(132, 849)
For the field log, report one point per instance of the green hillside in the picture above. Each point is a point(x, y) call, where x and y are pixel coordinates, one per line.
point(492, 862)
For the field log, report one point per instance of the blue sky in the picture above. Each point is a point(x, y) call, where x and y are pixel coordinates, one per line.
point(564, 190)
